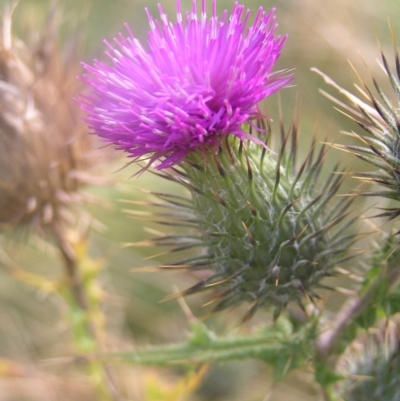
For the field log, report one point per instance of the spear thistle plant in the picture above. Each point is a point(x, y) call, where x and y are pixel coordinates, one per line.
point(258, 223)
point(264, 227)
point(268, 233)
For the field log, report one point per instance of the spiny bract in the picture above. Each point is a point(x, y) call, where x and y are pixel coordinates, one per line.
point(373, 370)
point(379, 117)
point(267, 232)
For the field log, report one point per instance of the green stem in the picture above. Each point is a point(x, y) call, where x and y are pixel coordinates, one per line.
point(182, 354)
point(282, 350)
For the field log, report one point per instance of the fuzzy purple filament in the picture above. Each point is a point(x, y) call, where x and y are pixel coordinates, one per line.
point(199, 81)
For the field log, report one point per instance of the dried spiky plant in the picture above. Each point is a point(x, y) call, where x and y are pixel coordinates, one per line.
point(45, 150)
point(268, 232)
point(46, 157)
point(378, 115)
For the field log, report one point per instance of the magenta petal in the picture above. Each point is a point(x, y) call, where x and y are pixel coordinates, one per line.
point(200, 80)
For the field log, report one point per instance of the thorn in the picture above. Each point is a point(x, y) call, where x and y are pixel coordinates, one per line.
point(344, 272)
point(194, 165)
point(392, 252)
point(144, 243)
point(219, 166)
point(240, 148)
point(215, 283)
point(153, 231)
point(249, 314)
point(307, 295)
point(277, 312)
point(219, 297)
point(252, 208)
point(354, 99)
point(229, 149)
point(185, 307)
point(173, 296)
point(199, 286)
point(156, 255)
point(208, 303)
point(174, 267)
point(348, 195)
point(249, 170)
point(275, 272)
point(223, 281)
point(300, 233)
point(252, 240)
point(219, 199)
point(201, 319)
point(342, 105)
point(344, 291)
point(148, 269)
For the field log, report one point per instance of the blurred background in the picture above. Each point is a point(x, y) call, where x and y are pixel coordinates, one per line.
point(35, 337)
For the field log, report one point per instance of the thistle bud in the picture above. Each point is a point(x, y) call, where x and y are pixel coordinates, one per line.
point(266, 229)
point(45, 151)
point(379, 140)
point(373, 367)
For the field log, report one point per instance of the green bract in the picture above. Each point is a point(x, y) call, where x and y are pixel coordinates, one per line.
point(264, 227)
point(378, 115)
point(375, 372)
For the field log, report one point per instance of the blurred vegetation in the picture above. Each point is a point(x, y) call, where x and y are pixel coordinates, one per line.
point(35, 351)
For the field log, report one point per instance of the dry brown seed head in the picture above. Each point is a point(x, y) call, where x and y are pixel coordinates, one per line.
point(46, 153)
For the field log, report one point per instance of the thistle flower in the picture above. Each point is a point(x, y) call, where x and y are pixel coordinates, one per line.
point(45, 150)
point(379, 118)
point(199, 80)
point(265, 231)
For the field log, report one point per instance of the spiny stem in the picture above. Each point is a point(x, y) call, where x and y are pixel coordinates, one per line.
point(71, 270)
point(350, 311)
point(105, 386)
point(276, 345)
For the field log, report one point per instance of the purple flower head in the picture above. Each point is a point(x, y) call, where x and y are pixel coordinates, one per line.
point(198, 80)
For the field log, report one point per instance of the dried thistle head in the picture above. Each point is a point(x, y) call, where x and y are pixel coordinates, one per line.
point(45, 150)
point(377, 113)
